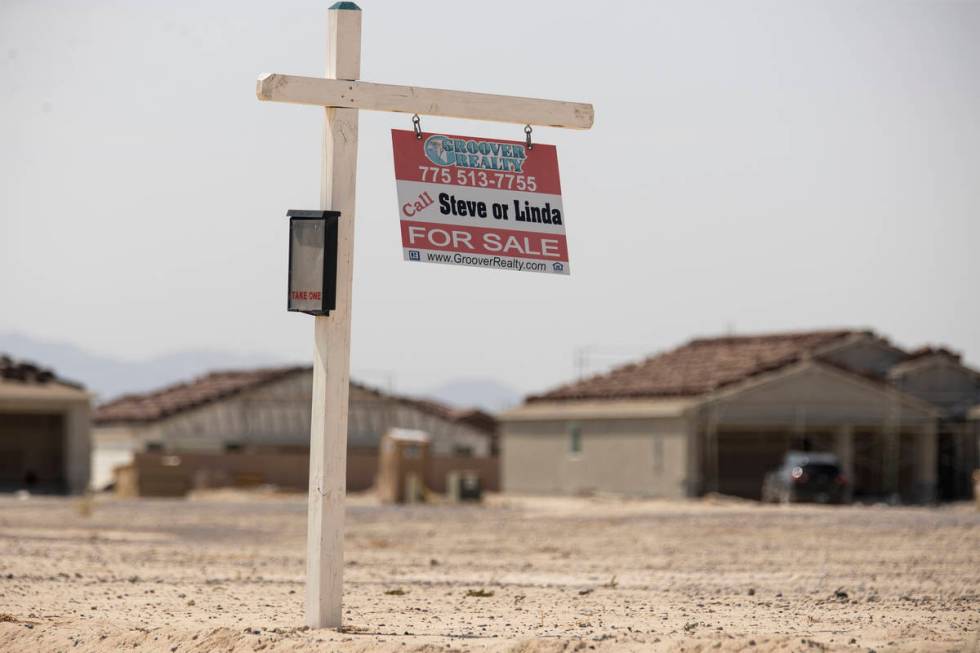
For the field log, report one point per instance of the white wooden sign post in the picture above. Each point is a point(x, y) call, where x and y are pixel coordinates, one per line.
point(341, 95)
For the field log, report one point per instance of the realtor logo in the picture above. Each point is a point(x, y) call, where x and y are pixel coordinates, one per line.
point(436, 150)
point(557, 267)
point(414, 256)
point(470, 153)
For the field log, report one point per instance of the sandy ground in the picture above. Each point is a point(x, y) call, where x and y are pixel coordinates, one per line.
point(224, 573)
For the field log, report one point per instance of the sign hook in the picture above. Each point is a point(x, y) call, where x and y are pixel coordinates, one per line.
point(527, 137)
point(417, 124)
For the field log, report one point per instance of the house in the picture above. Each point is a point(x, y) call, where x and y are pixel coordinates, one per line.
point(44, 430)
point(267, 410)
point(715, 414)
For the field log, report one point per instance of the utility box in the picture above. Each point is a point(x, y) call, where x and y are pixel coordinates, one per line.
point(312, 286)
point(464, 486)
point(402, 466)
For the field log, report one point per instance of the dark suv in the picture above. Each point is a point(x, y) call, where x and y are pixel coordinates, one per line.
point(806, 476)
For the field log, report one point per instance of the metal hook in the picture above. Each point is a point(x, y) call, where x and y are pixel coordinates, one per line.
point(527, 137)
point(417, 124)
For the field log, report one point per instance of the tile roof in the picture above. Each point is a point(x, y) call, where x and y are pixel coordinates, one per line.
point(700, 366)
point(152, 406)
point(472, 417)
point(177, 398)
point(927, 351)
point(477, 418)
point(26, 372)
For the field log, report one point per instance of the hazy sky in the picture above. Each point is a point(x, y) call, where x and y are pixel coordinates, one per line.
point(754, 166)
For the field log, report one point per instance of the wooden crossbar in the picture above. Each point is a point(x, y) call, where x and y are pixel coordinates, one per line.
point(341, 93)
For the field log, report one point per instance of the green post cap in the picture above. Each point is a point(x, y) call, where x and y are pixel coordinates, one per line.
point(345, 5)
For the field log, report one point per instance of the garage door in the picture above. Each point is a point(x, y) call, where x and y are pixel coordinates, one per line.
point(745, 457)
point(32, 452)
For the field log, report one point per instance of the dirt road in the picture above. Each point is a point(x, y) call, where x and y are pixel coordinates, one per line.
point(224, 573)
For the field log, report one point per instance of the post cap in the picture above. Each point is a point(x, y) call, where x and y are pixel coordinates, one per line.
point(303, 213)
point(344, 5)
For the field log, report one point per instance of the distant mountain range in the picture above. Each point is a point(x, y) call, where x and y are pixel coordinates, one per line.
point(487, 394)
point(110, 377)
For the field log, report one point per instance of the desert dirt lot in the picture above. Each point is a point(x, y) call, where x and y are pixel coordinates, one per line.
point(224, 573)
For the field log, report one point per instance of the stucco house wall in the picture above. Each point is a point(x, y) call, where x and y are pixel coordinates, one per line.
point(644, 457)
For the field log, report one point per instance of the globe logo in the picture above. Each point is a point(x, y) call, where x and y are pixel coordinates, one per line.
point(437, 149)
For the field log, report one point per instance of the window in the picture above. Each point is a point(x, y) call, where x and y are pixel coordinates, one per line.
point(575, 440)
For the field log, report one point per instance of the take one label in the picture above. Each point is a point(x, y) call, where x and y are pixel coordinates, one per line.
point(480, 202)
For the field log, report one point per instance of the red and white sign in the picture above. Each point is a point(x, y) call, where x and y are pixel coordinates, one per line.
point(480, 202)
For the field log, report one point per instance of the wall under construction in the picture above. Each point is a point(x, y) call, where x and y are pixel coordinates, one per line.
point(176, 474)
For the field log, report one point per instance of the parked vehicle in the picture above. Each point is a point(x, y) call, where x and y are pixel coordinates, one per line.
point(806, 476)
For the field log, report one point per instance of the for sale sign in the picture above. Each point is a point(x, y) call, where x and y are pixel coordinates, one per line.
point(480, 202)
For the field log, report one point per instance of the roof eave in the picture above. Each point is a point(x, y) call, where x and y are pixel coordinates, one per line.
point(620, 408)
